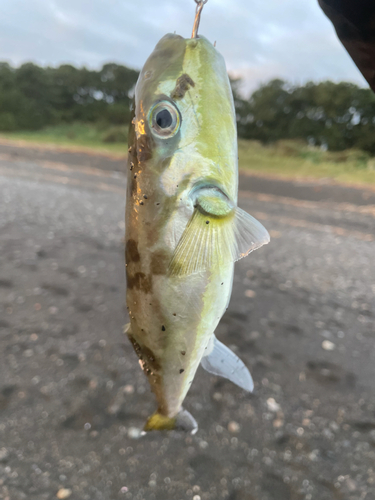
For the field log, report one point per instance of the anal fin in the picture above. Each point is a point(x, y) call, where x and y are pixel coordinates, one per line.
point(223, 362)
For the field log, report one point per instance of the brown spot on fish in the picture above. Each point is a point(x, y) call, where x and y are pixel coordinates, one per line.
point(183, 353)
point(131, 251)
point(182, 370)
point(136, 346)
point(162, 328)
point(148, 358)
point(183, 84)
point(133, 187)
point(159, 262)
point(144, 148)
point(139, 281)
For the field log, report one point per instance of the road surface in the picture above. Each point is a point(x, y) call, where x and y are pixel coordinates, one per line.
point(72, 395)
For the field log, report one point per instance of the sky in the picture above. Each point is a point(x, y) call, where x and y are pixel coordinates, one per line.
point(259, 39)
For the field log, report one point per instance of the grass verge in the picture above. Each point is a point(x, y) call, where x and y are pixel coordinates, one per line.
point(290, 159)
point(296, 160)
point(101, 138)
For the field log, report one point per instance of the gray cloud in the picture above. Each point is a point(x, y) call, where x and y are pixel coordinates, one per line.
point(260, 40)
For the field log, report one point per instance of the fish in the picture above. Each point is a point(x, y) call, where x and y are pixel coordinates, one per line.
point(184, 230)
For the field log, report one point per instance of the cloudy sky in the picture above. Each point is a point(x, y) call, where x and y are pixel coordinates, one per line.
point(260, 39)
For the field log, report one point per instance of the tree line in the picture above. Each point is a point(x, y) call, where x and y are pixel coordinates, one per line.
point(335, 116)
point(32, 97)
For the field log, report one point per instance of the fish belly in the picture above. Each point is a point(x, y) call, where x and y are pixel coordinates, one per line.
point(171, 326)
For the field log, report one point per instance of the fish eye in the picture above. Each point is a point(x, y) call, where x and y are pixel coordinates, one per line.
point(164, 119)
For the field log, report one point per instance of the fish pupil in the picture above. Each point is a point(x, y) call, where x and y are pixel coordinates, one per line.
point(164, 119)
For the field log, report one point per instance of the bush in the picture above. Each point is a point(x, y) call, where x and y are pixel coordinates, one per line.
point(7, 122)
point(116, 134)
point(118, 114)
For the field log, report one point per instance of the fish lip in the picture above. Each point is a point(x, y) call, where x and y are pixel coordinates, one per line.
point(201, 185)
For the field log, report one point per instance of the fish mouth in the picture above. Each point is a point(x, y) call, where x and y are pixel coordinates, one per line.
point(200, 186)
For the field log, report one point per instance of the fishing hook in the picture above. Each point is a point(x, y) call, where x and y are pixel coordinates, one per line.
point(198, 11)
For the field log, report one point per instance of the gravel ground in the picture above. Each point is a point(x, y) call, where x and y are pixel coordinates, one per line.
point(73, 398)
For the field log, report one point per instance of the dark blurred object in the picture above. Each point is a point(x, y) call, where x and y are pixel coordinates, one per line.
point(354, 21)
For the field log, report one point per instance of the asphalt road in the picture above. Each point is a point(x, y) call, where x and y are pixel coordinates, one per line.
point(72, 395)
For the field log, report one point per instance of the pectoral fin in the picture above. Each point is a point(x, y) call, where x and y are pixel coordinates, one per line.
point(223, 362)
point(217, 233)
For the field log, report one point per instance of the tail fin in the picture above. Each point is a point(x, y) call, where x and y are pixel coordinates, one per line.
point(183, 421)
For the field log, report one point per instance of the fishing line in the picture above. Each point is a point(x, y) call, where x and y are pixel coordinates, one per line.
point(197, 20)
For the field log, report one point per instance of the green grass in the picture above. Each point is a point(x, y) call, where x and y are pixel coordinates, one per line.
point(289, 159)
point(102, 138)
point(295, 159)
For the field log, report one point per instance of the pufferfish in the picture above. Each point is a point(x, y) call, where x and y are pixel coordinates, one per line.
point(184, 230)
